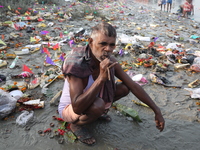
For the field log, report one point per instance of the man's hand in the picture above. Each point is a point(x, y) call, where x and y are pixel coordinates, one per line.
point(160, 122)
point(105, 65)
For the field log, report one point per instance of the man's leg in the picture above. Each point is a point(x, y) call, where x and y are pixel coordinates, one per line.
point(184, 12)
point(167, 7)
point(170, 5)
point(121, 91)
point(92, 114)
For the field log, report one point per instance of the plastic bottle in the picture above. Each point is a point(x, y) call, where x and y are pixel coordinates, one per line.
point(14, 62)
point(80, 32)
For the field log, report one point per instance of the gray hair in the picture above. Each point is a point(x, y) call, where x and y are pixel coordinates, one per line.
point(104, 28)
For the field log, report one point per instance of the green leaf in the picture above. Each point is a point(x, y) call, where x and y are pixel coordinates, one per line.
point(127, 111)
point(49, 93)
point(70, 137)
point(8, 22)
point(64, 123)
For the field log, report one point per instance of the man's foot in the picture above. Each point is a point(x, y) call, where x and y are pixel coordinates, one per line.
point(105, 117)
point(82, 134)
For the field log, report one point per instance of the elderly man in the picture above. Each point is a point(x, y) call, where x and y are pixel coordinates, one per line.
point(90, 89)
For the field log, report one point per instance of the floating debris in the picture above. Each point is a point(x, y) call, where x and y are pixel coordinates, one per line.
point(194, 84)
point(140, 103)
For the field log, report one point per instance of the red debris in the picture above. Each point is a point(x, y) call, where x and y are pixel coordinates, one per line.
point(47, 130)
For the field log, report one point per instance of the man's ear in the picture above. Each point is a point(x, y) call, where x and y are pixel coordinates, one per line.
point(90, 40)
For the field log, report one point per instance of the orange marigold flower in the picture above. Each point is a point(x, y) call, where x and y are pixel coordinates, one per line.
point(49, 80)
point(23, 89)
point(125, 70)
point(2, 88)
point(61, 76)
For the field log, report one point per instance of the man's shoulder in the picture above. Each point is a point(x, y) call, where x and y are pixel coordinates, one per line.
point(75, 53)
point(76, 63)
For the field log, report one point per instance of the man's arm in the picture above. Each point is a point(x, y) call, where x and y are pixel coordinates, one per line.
point(136, 89)
point(82, 100)
point(139, 92)
point(192, 10)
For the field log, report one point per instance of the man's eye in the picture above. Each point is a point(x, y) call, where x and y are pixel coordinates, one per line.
point(103, 43)
point(112, 45)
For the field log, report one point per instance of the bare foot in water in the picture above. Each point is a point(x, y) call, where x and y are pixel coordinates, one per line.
point(82, 134)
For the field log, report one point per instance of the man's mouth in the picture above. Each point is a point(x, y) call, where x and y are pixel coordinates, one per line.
point(104, 57)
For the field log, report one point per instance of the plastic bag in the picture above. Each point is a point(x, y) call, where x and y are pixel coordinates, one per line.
point(197, 61)
point(24, 118)
point(176, 46)
point(194, 92)
point(138, 78)
point(195, 67)
point(7, 103)
point(17, 94)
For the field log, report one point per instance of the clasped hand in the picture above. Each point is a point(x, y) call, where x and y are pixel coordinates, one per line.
point(105, 65)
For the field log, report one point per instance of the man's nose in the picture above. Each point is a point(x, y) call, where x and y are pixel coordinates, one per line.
point(109, 48)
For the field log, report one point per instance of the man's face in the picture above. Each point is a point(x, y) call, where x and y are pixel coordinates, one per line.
point(102, 46)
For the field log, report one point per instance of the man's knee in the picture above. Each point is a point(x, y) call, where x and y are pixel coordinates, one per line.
point(122, 90)
point(125, 90)
point(98, 107)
